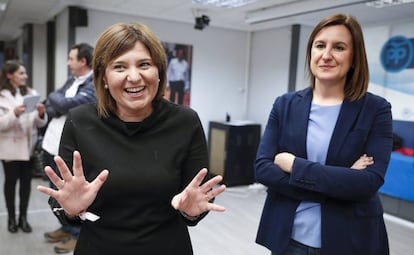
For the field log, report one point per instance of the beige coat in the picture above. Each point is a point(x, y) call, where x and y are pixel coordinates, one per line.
point(18, 135)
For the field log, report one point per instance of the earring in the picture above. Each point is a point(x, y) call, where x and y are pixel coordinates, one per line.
point(106, 86)
point(159, 80)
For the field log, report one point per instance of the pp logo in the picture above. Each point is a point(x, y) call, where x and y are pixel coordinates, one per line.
point(397, 54)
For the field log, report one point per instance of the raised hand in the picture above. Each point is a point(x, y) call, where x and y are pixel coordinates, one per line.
point(74, 193)
point(195, 199)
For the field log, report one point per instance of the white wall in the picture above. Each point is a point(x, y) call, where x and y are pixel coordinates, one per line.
point(269, 63)
point(219, 61)
point(236, 72)
point(39, 71)
point(302, 79)
point(61, 51)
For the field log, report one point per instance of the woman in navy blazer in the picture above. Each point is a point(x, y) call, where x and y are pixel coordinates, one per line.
point(324, 153)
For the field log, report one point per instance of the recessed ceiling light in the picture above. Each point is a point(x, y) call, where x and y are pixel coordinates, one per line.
point(386, 3)
point(225, 3)
point(3, 6)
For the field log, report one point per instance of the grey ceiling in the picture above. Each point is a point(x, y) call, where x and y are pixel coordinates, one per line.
point(287, 12)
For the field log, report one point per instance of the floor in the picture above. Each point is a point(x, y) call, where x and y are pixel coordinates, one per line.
point(229, 233)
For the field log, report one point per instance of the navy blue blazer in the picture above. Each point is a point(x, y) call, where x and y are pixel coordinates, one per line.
point(351, 211)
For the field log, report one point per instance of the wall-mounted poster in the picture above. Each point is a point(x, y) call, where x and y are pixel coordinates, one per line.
point(179, 60)
point(390, 51)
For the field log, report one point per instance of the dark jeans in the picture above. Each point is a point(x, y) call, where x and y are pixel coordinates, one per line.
point(296, 248)
point(13, 171)
point(73, 230)
point(177, 87)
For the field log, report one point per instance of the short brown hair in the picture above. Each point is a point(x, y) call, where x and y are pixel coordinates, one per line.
point(356, 84)
point(84, 51)
point(115, 41)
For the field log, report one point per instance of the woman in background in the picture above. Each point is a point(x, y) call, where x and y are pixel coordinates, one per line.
point(324, 153)
point(18, 134)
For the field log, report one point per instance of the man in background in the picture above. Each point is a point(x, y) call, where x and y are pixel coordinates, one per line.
point(77, 90)
point(178, 76)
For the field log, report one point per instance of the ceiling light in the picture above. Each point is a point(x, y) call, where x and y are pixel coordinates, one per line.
point(3, 7)
point(295, 8)
point(385, 3)
point(224, 3)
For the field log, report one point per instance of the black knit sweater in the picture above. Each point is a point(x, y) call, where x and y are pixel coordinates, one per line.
point(148, 162)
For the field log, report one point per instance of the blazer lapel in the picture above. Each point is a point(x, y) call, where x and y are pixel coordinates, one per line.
point(347, 118)
point(301, 109)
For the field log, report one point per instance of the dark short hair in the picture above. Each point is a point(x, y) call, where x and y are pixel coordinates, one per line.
point(357, 79)
point(84, 51)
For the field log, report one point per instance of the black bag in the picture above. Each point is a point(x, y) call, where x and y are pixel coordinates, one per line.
point(38, 159)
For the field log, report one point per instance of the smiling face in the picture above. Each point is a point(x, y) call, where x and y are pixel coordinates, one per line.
point(19, 77)
point(331, 55)
point(132, 80)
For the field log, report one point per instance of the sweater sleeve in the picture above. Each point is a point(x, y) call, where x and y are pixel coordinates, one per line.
point(7, 119)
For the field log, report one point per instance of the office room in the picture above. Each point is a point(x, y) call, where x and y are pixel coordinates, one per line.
point(239, 65)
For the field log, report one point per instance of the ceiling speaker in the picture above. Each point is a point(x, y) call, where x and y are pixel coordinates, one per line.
point(201, 22)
